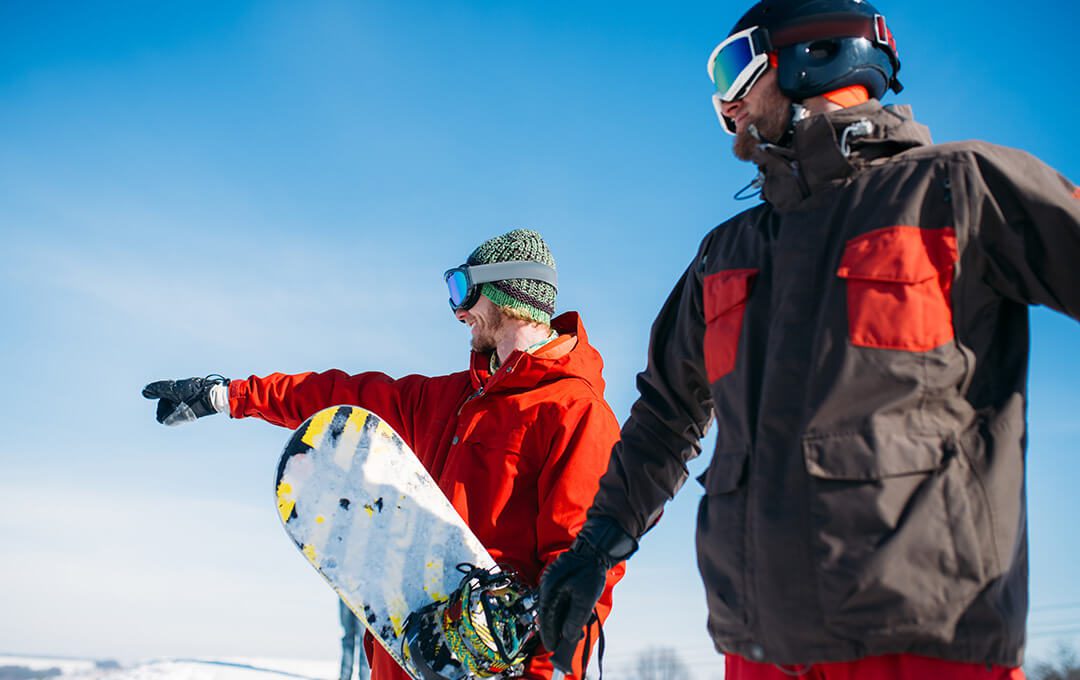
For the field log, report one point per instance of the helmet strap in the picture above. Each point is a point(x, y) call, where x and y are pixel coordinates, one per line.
point(798, 112)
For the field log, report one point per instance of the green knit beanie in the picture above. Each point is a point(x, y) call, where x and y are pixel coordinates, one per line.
point(535, 298)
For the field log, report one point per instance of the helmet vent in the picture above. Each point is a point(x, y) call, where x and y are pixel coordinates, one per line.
point(822, 49)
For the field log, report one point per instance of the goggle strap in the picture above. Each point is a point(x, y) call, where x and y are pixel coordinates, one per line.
point(882, 35)
point(761, 41)
point(873, 29)
point(501, 271)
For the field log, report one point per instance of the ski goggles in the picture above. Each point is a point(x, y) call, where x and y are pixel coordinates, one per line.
point(740, 60)
point(465, 282)
point(737, 63)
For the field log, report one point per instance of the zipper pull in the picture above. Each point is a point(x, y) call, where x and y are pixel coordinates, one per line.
point(474, 395)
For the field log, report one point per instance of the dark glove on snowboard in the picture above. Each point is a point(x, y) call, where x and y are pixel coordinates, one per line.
point(181, 401)
point(571, 586)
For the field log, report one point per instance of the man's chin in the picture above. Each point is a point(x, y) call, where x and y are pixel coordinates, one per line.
point(482, 345)
point(744, 145)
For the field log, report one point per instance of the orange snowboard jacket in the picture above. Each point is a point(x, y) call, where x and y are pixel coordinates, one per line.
point(519, 452)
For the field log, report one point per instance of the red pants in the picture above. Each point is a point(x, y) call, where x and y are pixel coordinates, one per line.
point(889, 667)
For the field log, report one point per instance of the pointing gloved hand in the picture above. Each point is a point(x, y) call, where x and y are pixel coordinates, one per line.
point(182, 401)
point(571, 585)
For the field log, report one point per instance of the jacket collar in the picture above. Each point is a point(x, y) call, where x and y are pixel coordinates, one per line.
point(816, 156)
point(522, 371)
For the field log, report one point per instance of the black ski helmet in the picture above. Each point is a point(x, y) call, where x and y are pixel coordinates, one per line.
point(824, 45)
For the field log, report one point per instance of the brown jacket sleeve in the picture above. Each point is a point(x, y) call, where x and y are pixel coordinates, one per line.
point(1026, 219)
point(667, 422)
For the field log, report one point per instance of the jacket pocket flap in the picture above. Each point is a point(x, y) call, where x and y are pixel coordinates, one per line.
point(899, 254)
point(498, 442)
point(725, 471)
point(858, 457)
point(726, 289)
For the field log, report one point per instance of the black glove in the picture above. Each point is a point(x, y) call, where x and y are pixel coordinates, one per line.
point(571, 585)
point(181, 401)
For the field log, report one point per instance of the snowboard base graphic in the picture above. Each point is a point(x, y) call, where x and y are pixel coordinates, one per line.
point(366, 514)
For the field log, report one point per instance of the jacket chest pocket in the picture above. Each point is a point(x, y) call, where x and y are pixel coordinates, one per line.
point(484, 470)
point(724, 296)
point(899, 282)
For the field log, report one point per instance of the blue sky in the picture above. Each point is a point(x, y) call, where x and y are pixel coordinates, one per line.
point(244, 187)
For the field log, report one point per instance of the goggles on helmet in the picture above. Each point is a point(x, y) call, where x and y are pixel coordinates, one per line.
point(736, 64)
point(465, 282)
point(740, 60)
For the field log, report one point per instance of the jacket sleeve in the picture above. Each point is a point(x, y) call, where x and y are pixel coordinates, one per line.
point(670, 417)
point(584, 432)
point(1026, 222)
point(289, 400)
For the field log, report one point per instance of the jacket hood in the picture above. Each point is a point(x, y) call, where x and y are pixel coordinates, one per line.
point(829, 147)
point(523, 371)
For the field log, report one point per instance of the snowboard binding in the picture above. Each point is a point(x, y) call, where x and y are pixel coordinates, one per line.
point(486, 629)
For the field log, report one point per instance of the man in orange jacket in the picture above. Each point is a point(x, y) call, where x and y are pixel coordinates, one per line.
point(518, 442)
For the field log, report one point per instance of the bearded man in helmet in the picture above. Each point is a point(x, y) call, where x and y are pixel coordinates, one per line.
point(861, 338)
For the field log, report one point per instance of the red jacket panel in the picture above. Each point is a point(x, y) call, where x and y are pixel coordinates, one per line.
point(519, 453)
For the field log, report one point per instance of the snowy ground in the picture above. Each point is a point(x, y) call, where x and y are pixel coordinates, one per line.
point(45, 668)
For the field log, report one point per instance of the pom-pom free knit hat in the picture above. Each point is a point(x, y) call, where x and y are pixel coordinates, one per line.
point(535, 298)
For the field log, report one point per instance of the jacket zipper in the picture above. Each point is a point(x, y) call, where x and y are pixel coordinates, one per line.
point(804, 188)
point(478, 393)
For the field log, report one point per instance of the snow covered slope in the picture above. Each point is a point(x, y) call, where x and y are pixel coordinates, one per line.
point(45, 668)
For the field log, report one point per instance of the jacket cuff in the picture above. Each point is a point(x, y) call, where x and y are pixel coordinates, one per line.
point(603, 536)
point(238, 398)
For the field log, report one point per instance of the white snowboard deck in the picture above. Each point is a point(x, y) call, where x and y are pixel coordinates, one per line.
point(369, 517)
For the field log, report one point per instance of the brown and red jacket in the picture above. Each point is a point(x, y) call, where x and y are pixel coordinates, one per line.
point(519, 452)
point(861, 339)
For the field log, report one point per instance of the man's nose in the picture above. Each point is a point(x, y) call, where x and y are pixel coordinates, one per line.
point(730, 108)
point(459, 314)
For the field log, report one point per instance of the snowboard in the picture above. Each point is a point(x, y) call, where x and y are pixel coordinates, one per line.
point(366, 514)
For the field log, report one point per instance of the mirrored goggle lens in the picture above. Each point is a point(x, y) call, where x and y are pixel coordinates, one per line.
point(458, 286)
point(731, 61)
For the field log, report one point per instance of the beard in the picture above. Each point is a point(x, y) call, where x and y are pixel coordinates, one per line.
point(771, 125)
point(483, 339)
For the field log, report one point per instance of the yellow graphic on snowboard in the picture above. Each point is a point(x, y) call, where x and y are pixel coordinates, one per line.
point(366, 514)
